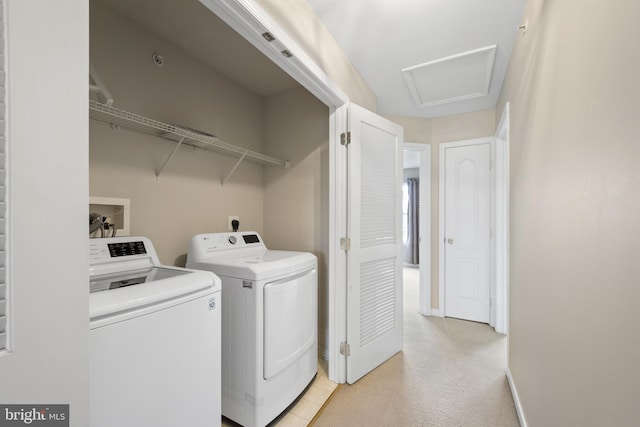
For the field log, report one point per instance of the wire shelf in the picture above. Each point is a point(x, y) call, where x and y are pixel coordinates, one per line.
point(127, 120)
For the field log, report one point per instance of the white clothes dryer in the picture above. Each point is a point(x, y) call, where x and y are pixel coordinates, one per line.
point(269, 322)
point(155, 339)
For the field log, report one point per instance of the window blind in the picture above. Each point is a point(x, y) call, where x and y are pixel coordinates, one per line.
point(3, 186)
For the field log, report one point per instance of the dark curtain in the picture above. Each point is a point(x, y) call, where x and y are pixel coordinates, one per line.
point(413, 225)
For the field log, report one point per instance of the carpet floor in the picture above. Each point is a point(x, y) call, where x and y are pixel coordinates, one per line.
point(450, 373)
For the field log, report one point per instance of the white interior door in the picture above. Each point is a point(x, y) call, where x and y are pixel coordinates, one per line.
point(467, 215)
point(374, 225)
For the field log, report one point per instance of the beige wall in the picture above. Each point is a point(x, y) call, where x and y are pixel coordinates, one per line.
point(436, 131)
point(575, 213)
point(188, 199)
point(296, 201)
point(463, 126)
point(416, 129)
point(300, 22)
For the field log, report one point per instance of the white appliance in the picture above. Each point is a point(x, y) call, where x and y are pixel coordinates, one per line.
point(155, 336)
point(269, 322)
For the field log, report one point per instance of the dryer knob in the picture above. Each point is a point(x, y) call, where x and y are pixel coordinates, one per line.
point(232, 240)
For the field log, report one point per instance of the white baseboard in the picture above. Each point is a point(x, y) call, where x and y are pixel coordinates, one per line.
point(429, 312)
point(516, 399)
point(435, 312)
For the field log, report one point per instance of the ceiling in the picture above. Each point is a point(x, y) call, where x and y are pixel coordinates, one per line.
point(454, 38)
point(383, 37)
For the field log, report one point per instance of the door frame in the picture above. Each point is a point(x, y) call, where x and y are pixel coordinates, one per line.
point(424, 306)
point(497, 252)
point(500, 315)
point(337, 274)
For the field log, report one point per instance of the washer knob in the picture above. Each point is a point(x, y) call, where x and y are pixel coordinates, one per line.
point(232, 240)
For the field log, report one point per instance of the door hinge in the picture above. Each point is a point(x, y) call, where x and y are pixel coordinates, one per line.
point(345, 138)
point(490, 164)
point(345, 349)
point(345, 243)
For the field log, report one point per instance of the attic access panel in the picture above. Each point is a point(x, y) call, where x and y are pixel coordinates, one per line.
point(454, 78)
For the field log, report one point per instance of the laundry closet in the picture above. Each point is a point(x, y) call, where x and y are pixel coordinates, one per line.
point(173, 198)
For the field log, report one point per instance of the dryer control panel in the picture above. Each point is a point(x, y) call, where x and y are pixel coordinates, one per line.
point(203, 245)
point(246, 238)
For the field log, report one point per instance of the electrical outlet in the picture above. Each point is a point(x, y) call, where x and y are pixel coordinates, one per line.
point(231, 218)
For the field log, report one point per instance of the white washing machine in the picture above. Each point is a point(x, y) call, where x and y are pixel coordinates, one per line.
point(269, 322)
point(155, 338)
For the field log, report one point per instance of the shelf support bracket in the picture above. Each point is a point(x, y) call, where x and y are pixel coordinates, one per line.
point(96, 85)
point(233, 169)
point(164, 165)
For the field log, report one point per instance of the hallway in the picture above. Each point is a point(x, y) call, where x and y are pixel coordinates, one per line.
point(450, 373)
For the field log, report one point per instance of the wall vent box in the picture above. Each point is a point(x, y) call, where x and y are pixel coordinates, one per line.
point(116, 210)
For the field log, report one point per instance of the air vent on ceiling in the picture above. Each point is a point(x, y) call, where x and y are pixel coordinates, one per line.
point(453, 78)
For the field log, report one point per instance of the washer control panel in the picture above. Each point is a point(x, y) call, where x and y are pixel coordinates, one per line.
point(126, 248)
point(121, 251)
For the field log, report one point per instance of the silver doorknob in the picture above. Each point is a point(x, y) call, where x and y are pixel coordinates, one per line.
point(450, 241)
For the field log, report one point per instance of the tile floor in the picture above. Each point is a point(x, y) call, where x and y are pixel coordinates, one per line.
point(302, 412)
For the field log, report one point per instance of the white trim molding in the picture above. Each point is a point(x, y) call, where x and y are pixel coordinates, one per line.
point(337, 281)
point(253, 22)
point(500, 209)
point(435, 312)
point(516, 398)
point(423, 78)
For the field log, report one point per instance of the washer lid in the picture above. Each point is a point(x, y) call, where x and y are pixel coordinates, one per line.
point(258, 265)
point(131, 290)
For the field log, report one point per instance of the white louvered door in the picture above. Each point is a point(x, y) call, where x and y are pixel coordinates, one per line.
point(374, 261)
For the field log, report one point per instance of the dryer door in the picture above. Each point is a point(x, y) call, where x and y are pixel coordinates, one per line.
point(290, 320)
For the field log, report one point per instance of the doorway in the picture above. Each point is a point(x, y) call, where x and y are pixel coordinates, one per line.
point(416, 221)
point(257, 27)
point(473, 245)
